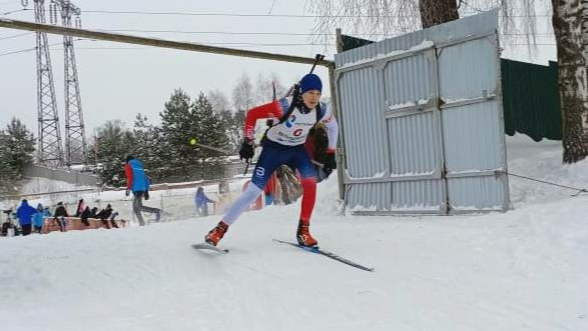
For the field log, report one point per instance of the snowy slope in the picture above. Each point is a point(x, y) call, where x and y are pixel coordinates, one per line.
point(523, 270)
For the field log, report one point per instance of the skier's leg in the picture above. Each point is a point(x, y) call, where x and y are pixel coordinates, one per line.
point(137, 207)
point(308, 181)
point(151, 210)
point(267, 163)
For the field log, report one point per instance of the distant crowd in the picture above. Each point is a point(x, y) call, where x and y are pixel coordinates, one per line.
point(26, 219)
point(31, 219)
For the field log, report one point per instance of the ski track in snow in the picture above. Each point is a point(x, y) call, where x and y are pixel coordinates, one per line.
point(521, 270)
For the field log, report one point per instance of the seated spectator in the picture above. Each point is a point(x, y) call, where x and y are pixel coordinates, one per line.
point(85, 215)
point(94, 212)
point(60, 215)
point(105, 215)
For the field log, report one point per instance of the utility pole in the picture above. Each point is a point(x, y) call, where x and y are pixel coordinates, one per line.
point(75, 136)
point(49, 145)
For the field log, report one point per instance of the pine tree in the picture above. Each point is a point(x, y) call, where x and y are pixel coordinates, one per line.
point(113, 142)
point(149, 147)
point(184, 122)
point(17, 147)
point(210, 131)
point(177, 130)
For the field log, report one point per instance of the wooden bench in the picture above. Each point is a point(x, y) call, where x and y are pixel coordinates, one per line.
point(75, 223)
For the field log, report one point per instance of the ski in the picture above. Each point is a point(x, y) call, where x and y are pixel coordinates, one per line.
point(328, 254)
point(207, 246)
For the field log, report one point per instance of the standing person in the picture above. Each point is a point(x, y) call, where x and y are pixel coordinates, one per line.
point(202, 201)
point(25, 213)
point(39, 218)
point(60, 215)
point(284, 144)
point(138, 183)
point(80, 208)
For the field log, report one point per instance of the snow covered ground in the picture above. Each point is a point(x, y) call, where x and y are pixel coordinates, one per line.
point(522, 270)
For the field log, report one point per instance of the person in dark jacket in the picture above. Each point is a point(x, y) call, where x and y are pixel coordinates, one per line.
point(25, 213)
point(94, 212)
point(105, 214)
point(85, 215)
point(138, 183)
point(60, 215)
point(202, 201)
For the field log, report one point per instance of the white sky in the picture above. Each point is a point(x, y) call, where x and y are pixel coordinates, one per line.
point(119, 83)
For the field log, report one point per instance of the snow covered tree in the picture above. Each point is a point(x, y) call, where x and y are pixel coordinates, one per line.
point(150, 148)
point(222, 107)
point(209, 130)
point(113, 142)
point(177, 131)
point(184, 122)
point(17, 147)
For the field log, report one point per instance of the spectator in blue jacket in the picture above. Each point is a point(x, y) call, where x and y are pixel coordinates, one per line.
point(25, 217)
point(39, 218)
point(202, 201)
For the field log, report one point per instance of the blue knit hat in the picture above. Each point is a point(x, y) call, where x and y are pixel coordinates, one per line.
point(310, 82)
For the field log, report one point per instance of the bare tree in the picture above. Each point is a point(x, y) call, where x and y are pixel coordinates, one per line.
point(243, 94)
point(219, 101)
point(264, 88)
point(379, 19)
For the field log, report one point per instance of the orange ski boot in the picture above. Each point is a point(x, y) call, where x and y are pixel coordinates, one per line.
point(216, 234)
point(304, 237)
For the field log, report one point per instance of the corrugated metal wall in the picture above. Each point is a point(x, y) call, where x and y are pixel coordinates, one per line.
point(421, 117)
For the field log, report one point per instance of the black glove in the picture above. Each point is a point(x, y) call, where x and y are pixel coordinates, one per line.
point(330, 163)
point(246, 152)
point(146, 195)
point(127, 192)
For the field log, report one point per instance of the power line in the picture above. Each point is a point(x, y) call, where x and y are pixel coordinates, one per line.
point(129, 12)
point(17, 35)
point(262, 15)
point(20, 51)
point(12, 12)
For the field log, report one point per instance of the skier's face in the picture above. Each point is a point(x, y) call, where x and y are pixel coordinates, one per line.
point(311, 98)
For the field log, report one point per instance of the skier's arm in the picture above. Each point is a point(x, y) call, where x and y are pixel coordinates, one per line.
point(129, 173)
point(332, 127)
point(275, 108)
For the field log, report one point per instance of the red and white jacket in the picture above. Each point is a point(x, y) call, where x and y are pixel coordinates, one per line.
point(294, 130)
